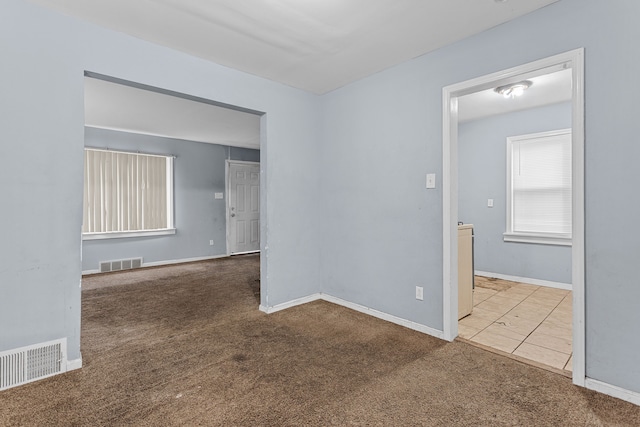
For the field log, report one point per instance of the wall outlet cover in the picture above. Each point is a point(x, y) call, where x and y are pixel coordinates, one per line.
point(431, 180)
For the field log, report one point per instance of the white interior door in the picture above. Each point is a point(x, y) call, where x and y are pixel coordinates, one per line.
point(244, 207)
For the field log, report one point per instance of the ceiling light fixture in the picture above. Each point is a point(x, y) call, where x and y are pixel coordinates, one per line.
point(514, 89)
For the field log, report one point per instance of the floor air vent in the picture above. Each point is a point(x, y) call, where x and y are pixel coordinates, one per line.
point(26, 364)
point(120, 264)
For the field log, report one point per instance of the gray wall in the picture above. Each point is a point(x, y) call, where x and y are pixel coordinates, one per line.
point(482, 174)
point(199, 172)
point(44, 57)
point(382, 232)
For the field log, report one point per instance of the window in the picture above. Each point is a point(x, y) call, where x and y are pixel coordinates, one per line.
point(539, 188)
point(126, 194)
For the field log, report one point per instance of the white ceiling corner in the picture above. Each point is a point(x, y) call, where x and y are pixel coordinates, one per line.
point(547, 88)
point(314, 45)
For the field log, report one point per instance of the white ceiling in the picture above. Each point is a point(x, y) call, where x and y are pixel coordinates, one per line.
point(315, 45)
point(546, 89)
point(115, 106)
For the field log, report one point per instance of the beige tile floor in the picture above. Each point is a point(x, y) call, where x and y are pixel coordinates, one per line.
point(533, 322)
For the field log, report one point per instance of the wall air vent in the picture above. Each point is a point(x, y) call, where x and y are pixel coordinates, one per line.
point(120, 264)
point(26, 364)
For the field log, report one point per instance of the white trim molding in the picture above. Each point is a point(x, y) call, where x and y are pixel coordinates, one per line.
point(289, 304)
point(166, 262)
point(539, 239)
point(182, 261)
point(245, 253)
point(527, 280)
point(612, 390)
point(357, 307)
point(573, 60)
point(385, 316)
point(125, 234)
point(74, 364)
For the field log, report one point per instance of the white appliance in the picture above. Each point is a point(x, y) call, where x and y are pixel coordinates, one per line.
point(465, 270)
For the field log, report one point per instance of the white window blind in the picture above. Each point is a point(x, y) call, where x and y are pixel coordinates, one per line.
point(126, 192)
point(539, 186)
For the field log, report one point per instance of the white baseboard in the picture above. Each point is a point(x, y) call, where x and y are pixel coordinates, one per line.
point(385, 316)
point(289, 304)
point(357, 307)
point(245, 252)
point(183, 260)
point(167, 262)
point(612, 390)
point(527, 280)
point(74, 364)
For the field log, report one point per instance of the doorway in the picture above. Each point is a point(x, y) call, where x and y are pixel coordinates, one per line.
point(200, 136)
point(572, 60)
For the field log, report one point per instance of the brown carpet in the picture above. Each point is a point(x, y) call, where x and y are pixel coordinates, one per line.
point(186, 345)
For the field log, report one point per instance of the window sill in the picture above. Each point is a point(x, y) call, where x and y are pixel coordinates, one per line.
point(124, 234)
point(540, 239)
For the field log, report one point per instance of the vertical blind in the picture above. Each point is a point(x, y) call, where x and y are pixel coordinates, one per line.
point(125, 192)
point(541, 184)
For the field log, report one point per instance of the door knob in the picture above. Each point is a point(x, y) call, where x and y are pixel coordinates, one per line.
point(232, 215)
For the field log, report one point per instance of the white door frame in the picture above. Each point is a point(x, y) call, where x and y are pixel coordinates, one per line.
point(228, 197)
point(575, 60)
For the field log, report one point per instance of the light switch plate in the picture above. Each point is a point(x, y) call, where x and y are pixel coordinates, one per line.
point(431, 180)
point(490, 203)
point(219, 195)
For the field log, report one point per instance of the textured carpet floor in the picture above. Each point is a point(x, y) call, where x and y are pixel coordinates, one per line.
point(186, 345)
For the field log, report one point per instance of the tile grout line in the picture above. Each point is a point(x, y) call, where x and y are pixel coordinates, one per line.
point(474, 306)
point(511, 309)
point(546, 317)
point(530, 333)
point(502, 315)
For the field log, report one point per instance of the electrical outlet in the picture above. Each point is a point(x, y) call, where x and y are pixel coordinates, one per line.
point(210, 242)
point(419, 293)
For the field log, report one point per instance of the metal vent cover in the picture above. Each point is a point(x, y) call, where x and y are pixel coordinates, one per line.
point(120, 264)
point(105, 267)
point(23, 365)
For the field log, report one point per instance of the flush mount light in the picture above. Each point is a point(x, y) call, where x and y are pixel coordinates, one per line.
point(514, 89)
